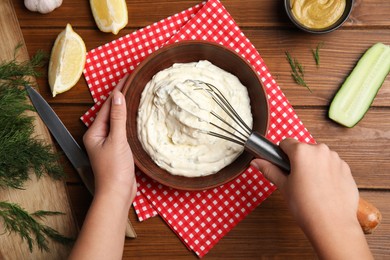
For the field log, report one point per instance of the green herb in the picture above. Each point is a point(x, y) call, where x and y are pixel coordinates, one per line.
point(14, 73)
point(316, 53)
point(298, 72)
point(19, 150)
point(18, 220)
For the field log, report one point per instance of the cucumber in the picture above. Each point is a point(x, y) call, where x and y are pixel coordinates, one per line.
point(357, 93)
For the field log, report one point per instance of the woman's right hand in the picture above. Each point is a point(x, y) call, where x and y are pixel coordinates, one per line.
point(323, 198)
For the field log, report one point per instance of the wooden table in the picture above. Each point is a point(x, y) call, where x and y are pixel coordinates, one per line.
point(269, 231)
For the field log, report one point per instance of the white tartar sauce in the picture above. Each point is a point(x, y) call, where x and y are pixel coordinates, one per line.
point(174, 113)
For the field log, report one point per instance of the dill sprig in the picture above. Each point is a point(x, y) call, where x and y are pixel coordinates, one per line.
point(16, 219)
point(298, 73)
point(19, 151)
point(16, 73)
point(316, 53)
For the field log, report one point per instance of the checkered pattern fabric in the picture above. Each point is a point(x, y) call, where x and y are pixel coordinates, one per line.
point(199, 218)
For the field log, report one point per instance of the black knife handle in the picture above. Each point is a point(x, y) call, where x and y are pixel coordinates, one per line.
point(86, 175)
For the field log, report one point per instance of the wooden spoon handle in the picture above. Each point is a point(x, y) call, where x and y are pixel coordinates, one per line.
point(369, 216)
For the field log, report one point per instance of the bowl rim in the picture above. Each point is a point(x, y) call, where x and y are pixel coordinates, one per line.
point(168, 47)
point(344, 17)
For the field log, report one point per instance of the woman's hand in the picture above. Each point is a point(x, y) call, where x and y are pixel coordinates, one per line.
point(108, 150)
point(103, 233)
point(322, 196)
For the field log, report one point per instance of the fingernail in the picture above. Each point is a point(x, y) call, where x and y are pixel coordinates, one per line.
point(117, 99)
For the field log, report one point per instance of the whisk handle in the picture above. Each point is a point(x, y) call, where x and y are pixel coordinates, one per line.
point(261, 147)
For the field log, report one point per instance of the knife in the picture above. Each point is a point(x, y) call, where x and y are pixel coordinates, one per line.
point(71, 148)
point(76, 155)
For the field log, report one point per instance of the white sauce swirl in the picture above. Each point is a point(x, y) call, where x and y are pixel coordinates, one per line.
point(172, 115)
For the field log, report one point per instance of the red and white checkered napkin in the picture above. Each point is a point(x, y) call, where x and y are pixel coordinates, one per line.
point(199, 218)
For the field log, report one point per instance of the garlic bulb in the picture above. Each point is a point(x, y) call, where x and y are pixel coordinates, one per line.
point(42, 6)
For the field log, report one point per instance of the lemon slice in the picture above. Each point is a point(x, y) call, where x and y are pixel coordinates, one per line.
point(67, 61)
point(110, 15)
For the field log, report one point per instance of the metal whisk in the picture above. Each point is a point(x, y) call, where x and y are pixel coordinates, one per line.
point(253, 142)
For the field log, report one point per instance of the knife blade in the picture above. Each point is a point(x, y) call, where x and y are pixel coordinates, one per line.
point(71, 148)
point(76, 155)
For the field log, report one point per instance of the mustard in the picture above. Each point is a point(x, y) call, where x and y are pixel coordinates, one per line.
point(317, 14)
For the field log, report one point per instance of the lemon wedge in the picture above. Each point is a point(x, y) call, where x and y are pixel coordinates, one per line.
point(67, 61)
point(110, 15)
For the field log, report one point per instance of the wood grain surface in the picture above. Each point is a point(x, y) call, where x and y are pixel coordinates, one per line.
point(269, 232)
point(38, 194)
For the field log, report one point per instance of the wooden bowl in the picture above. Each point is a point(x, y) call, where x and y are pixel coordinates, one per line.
point(184, 52)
